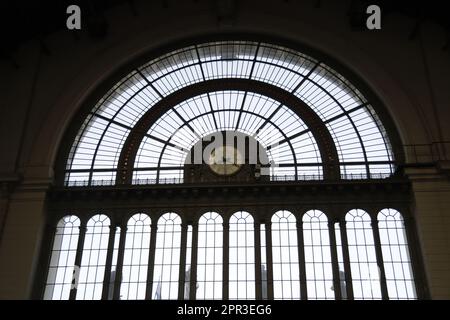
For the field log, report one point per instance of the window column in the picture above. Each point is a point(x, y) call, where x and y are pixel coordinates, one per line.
point(269, 260)
point(118, 279)
point(108, 264)
point(258, 273)
point(151, 261)
point(334, 261)
point(182, 273)
point(301, 260)
point(379, 254)
point(193, 284)
point(80, 245)
point(226, 259)
point(346, 256)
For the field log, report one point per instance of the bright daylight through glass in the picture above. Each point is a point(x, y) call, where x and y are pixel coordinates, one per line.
point(231, 253)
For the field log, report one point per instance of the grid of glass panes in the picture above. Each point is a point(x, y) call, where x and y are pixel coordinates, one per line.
point(363, 260)
point(319, 269)
point(397, 263)
point(62, 261)
point(286, 277)
point(135, 258)
point(285, 262)
point(242, 257)
point(210, 256)
point(167, 257)
point(355, 127)
point(93, 261)
point(271, 123)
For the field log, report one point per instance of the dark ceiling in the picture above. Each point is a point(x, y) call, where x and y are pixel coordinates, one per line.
point(22, 21)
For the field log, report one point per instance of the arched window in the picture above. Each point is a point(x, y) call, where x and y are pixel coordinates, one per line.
point(311, 124)
point(62, 261)
point(363, 260)
point(93, 261)
point(319, 269)
point(333, 113)
point(210, 256)
point(135, 259)
point(167, 257)
point(396, 258)
point(242, 256)
point(286, 276)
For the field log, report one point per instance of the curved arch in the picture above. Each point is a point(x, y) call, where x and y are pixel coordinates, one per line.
point(288, 70)
point(313, 122)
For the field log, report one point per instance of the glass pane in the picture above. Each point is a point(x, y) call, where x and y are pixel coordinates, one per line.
point(209, 259)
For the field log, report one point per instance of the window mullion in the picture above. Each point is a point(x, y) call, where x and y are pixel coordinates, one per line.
point(225, 256)
point(182, 273)
point(269, 261)
point(346, 257)
point(334, 261)
point(119, 267)
point(193, 278)
point(80, 245)
point(301, 261)
point(151, 261)
point(108, 264)
point(379, 255)
point(258, 273)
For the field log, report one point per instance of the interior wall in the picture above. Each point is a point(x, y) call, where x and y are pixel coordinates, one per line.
point(39, 99)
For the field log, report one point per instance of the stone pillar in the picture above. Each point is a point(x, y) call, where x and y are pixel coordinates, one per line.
point(24, 222)
point(431, 211)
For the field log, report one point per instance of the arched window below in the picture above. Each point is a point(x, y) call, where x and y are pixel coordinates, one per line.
point(286, 276)
point(363, 260)
point(167, 257)
point(319, 269)
point(93, 261)
point(210, 256)
point(135, 259)
point(242, 256)
point(62, 261)
point(396, 257)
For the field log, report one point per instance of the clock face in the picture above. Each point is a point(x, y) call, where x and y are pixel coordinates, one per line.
point(225, 160)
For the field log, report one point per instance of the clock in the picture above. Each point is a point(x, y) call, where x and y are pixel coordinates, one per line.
point(225, 160)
